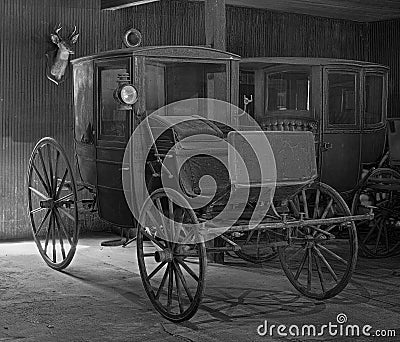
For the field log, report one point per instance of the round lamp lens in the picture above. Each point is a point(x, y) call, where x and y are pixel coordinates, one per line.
point(129, 94)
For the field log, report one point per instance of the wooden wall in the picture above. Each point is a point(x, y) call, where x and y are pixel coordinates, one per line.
point(255, 32)
point(32, 107)
point(385, 49)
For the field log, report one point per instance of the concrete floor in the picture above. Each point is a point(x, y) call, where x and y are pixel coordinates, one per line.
point(100, 298)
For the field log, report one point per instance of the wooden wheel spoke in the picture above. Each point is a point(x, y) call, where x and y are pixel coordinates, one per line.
point(53, 238)
point(183, 281)
point(364, 242)
point(330, 228)
point(153, 219)
point(51, 176)
point(46, 243)
point(163, 280)
point(320, 274)
point(333, 254)
point(61, 224)
point(61, 239)
point(309, 270)
point(37, 210)
point(178, 291)
point(189, 237)
point(188, 270)
point(42, 223)
point(258, 244)
point(305, 204)
point(61, 183)
point(64, 198)
point(294, 208)
point(45, 186)
point(328, 207)
point(161, 213)
point(328, 266)
point(378, 238)
point(386, 238)
point(66, 213)
point(249, 236)
point(37, 192)
point(170, 287)
point(171, 220)
point(295, 253)
point(156, 270)
point(55, 170)
point(300, 268)
point(316, 204)
point(46, 177)
point(152, 239)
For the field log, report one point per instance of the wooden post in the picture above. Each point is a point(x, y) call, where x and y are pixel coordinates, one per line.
point(215, 24)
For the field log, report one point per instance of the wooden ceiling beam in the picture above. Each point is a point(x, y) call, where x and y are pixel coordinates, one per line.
point(215, 23)
point(118, 4)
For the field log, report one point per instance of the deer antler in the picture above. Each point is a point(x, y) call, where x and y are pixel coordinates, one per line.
point(73, 32)
point(57, 29)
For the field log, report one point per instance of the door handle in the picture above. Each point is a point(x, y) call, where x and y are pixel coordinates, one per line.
point(325, 146)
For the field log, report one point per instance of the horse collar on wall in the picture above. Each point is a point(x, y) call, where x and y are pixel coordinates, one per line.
point(57, 60)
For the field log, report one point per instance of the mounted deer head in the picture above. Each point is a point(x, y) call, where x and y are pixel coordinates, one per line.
point(58, 59)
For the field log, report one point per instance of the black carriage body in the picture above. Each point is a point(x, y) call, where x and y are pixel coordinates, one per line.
point(342, 101)
point(161, 75)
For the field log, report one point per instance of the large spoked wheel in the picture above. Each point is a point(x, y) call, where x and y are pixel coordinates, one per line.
point(172, 264)
point(380, 237)
point(255, 245)
point(52, 202)
point(320, 259)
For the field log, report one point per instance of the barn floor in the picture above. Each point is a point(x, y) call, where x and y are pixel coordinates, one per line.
point(100, 298)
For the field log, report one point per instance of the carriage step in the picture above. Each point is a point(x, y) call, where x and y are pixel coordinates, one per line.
point(113, 243)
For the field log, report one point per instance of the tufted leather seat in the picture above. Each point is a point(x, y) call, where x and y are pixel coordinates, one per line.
point(289, 124)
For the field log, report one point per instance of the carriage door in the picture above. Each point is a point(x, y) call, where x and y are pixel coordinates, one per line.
point(340, 144)
point(113, 132)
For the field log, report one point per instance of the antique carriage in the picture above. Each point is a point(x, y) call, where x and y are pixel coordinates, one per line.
point(343, 103)
point(268, 177)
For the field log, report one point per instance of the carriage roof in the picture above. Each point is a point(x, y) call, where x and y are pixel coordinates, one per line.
point(263, 62)
point(164, 51)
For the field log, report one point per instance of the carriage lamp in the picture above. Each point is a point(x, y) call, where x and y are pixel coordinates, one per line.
point(126, 94)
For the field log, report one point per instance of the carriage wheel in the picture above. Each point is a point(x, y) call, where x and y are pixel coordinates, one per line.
point(173, 274)
point(255, 245)
point(320, 259)
point(52, 202)
point(379, 237)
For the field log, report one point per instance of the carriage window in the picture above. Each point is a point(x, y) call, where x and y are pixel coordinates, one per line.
point(288, 91)
point(342, 98)
point(167, 82)
point(113, 121)
point(373, 99)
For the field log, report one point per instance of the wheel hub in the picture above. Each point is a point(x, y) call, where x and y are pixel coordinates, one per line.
point(164, 255)
point(310, 241)
point(50, 204)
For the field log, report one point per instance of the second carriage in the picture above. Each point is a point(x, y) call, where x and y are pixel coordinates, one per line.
point(344, 104)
